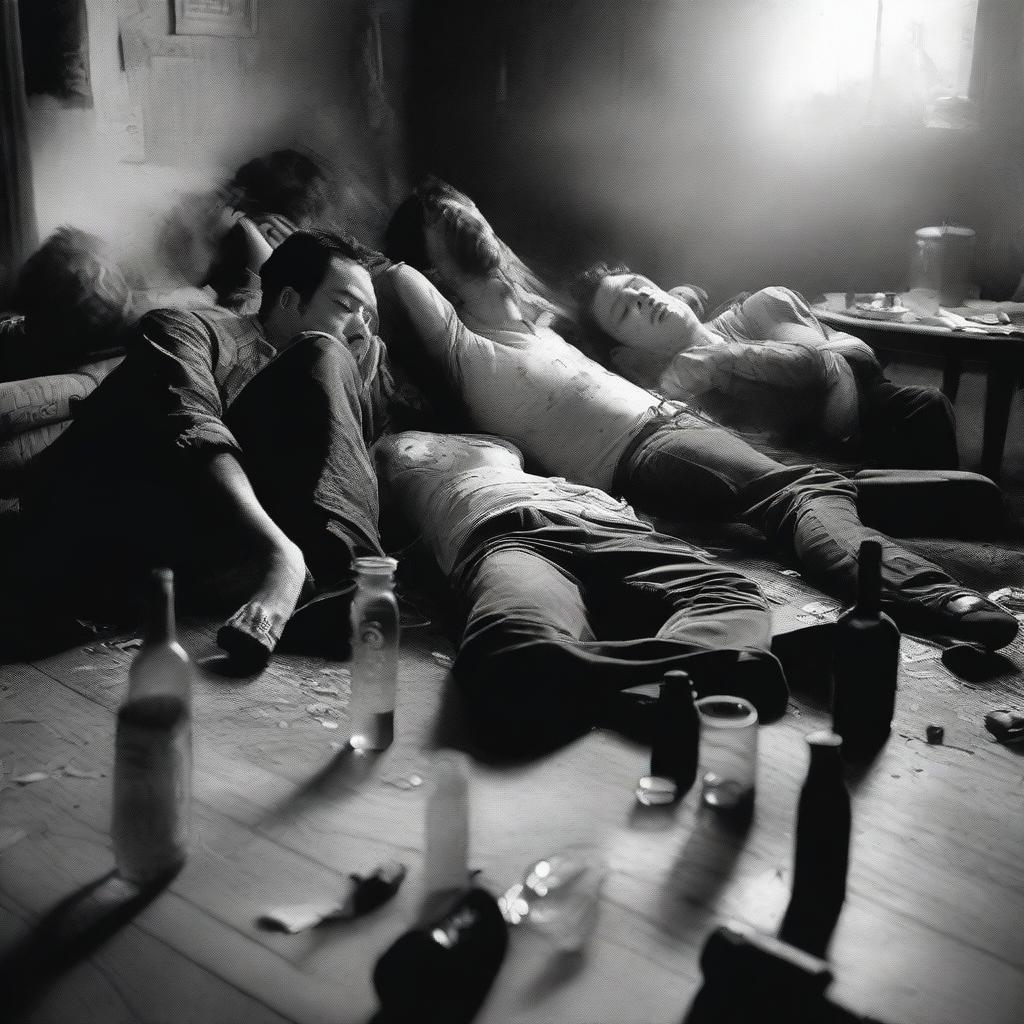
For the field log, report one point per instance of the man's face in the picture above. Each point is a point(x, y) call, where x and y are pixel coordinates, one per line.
point(634, 311)
point(344, 305)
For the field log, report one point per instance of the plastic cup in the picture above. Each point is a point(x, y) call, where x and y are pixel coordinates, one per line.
point(728, 752)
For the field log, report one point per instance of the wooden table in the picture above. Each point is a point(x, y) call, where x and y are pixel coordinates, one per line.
point(931, 932)
point(1002, 354)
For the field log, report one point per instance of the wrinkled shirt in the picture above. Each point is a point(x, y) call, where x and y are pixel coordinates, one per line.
point(759, 378)
point(171, 392)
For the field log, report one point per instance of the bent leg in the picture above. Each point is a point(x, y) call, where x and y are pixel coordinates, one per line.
point(299, 424)
point(908, 426)
point(517, 665)
point(931, 503)
point(807, 512)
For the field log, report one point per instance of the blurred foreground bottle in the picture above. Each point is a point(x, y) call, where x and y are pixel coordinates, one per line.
point(374, 654)
point(153, 749)
point(822, 849)
point(446, 835)
point(865, 664)
point(442, 970)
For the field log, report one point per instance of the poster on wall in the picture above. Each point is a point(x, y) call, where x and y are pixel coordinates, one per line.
point(215, 17)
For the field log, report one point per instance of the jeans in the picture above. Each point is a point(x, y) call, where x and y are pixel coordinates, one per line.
point(906, 425)
point(563, 611)
point(94, 528)
point(691, 469)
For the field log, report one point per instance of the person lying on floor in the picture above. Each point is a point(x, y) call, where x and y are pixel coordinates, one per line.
point(70, 305)
point(766, 364)
point(568, 598)
point(572, 417)
point(272, 195)
point(232, 449)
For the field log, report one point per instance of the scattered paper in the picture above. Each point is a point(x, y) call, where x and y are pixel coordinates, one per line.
point(81, 773)
point(913, 650)
point(29, 777)
point(11, 834)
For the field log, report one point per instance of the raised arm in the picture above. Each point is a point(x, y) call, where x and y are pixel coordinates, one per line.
point(431, 314)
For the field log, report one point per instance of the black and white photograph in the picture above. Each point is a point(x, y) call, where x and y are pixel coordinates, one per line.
point(511, 511)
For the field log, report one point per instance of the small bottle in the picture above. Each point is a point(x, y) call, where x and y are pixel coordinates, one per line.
point(153, 749)
point(374, 654)
point(865, 664)
point(822, 849)
point(446, 834)
point(675, 748)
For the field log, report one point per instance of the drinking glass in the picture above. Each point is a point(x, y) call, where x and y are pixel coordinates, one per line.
point(728, 752)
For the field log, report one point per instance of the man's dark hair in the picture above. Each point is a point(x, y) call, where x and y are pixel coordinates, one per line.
point(301, 262)
point(584, 285)
point(285, 182)
point(73, 293)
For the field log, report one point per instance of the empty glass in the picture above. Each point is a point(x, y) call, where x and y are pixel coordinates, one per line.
point(559, 896)
point(728, 752)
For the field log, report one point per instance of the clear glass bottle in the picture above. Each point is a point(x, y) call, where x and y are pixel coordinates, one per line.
point(153, 748)
point(375, 637)
point(865, 664)
point(446, 833)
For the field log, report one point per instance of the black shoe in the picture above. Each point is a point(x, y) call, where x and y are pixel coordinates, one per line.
point(961, 614)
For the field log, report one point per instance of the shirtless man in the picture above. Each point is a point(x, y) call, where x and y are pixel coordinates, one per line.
point(568, 597)
point(766, 364)
point(231, 448)
point(573, 418)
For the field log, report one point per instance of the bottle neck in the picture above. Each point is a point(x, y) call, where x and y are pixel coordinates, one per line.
point(869, 578)
point(160, 624)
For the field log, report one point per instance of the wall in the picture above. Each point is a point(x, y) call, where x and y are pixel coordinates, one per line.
point(659, 131)
point(173, 115)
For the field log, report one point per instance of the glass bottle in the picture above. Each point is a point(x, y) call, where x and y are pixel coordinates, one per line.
point(674, 751)
point(446, 833)
point(153, 748)
point(374, 654)
point(865, 664)
point(822, 849)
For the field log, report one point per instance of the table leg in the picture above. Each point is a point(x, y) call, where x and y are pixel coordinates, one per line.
point(951, 377)
point(999, 388)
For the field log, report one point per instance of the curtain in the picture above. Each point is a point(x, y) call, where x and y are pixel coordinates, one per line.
point(18, 231)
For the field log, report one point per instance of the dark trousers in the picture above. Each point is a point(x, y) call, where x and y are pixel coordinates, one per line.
point(562, 612)
point(90, 532)
point(692, 469)
point(908, 426)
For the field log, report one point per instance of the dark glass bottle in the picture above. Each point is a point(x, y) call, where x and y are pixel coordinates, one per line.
point(865, 664)
point(676, 740)
point(822, 849)
point(442, 970)
point(153, 748)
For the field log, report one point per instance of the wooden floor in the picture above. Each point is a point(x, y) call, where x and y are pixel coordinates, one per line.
point(932, 932)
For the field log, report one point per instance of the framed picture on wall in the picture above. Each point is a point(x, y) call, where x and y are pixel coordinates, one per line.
point(215, 17)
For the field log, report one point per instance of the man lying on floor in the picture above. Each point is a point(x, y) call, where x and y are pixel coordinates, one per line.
point(767, 364)
point(571, 417)
point(568, 598)
point(233, 449)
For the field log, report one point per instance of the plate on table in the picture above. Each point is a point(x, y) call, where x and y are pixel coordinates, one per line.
point(873, 312)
